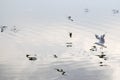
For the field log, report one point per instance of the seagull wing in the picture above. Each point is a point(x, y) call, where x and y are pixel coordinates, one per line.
point(103, 36)
point(97, 36)
point(102, 40)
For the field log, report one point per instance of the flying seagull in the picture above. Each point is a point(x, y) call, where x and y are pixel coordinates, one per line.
point(101, 40)
point(70, 18)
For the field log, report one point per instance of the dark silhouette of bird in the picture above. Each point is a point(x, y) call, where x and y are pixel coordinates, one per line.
point(61, 71)
point(70, 34)
point(3, 28)
point(115, 11)
point(70, 18)
point(94, 48)
point(55, 56)
point(102, 55)
point(32, 58)
point(102, 64)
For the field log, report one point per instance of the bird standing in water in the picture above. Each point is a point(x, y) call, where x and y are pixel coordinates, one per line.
point(55, 56)
point(94, 48)
point(32, 58)
point(61, 70)
point(70, 34)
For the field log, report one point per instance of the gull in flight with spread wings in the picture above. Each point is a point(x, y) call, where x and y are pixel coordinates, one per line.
point(101, 40)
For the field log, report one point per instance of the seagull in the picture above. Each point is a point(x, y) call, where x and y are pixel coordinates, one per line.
point(61, 70)
point(70, 34)
point(32, 58)
point(2, 28)
point(102, 55)
point(101, 40)
point(63, 73)
point(94, 48)
point(70, 18)
point(55, 56)
point(115, 11)
point(102, 64)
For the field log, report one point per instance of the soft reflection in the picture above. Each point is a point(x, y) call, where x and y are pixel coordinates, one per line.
point(74, 70)
point(49, 58)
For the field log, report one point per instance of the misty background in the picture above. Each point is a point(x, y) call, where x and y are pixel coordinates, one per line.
point(38, 12)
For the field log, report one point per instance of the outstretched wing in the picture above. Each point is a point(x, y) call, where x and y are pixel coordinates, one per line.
point(102, 40)
point(103, 36)
point(97, 36)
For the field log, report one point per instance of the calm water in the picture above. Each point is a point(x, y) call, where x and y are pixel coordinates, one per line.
point(76, 62)
point(80, 69)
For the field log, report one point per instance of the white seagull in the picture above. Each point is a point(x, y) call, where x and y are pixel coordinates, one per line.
point(101, 40)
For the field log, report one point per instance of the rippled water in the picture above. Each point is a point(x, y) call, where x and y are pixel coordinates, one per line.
point(42, 29)
point(27, 70)
point(78, 62)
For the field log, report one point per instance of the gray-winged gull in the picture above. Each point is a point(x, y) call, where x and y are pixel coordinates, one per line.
point(101, 40)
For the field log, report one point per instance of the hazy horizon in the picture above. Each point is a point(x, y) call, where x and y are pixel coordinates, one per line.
point(29, 12)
